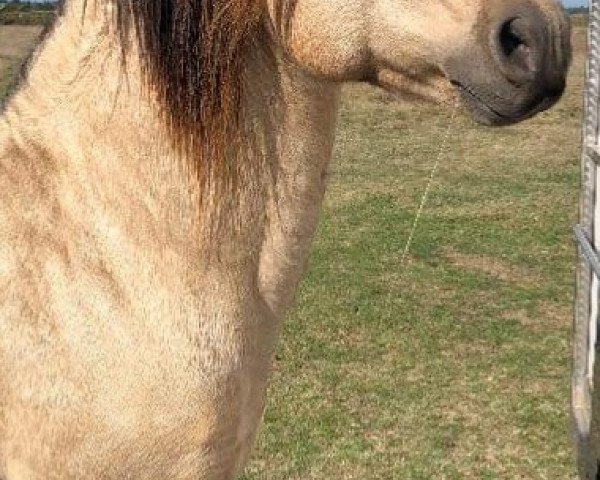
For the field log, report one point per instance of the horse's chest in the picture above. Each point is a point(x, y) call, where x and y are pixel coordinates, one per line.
point(195, 393)
point(187, 427)
point(162, 382)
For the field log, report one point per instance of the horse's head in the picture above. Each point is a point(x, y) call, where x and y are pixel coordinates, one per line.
point(507, 59)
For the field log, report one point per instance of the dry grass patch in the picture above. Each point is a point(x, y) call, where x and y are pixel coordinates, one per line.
point(17, 41)
point(546, 317)
point(494, 267)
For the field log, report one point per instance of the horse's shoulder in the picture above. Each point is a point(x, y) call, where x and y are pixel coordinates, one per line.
point(29, 210)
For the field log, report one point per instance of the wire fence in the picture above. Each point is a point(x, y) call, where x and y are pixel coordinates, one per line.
point(586, 373)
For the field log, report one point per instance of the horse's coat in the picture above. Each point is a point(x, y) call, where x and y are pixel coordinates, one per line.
point(161, 172)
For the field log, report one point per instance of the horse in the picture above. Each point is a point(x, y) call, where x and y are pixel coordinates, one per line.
point(162, 166)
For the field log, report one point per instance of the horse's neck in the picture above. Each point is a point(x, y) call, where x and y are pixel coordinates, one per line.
point(306, 142)
point(113, 153)
point(105, 139)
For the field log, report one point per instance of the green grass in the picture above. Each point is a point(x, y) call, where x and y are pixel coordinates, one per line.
point(455, 364)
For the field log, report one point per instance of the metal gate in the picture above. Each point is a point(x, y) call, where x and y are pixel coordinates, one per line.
point(585, 384)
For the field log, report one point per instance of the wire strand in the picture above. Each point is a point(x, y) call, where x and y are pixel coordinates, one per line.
point(429, 185)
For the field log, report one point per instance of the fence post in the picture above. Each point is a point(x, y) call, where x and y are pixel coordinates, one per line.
point(585, 400)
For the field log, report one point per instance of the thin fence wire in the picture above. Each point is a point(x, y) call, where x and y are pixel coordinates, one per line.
point(425, 196)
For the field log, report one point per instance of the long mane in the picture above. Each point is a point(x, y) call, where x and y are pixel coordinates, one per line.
point(195, 54)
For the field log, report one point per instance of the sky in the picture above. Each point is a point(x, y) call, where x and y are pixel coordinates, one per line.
point(574, 3)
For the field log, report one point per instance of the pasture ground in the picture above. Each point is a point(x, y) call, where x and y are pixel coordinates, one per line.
point(15, 43)
point(456, 364)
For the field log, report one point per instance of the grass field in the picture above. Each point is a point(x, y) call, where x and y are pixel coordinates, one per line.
point(27, 13)
point(454, 365)
point(15, 43)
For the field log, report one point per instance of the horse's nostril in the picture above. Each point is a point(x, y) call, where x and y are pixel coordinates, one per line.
point(517, 48)
point(510, 40)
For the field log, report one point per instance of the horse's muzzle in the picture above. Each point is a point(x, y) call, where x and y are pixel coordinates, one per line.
point(518, 65)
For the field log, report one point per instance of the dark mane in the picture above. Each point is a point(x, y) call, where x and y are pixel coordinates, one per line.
point(195, 55)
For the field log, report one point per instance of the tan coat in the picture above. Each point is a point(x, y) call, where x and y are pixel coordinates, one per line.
point(134, 343)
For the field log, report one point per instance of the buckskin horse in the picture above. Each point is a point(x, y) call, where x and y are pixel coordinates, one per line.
point(162, 166)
